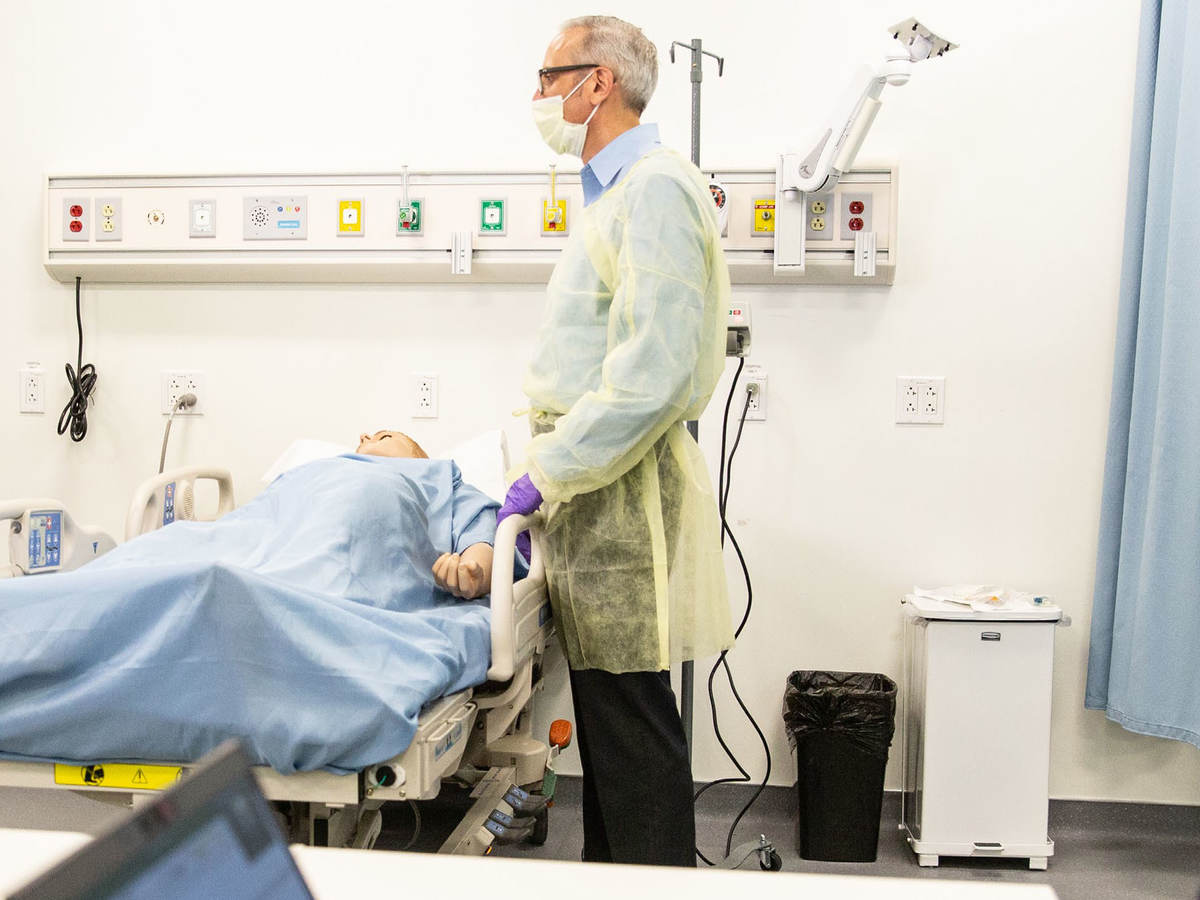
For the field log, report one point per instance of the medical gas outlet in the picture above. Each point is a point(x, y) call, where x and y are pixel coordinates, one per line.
point(408, 217)
point(350, 218)
point(492, 219)
point(554, 209)
point(554, 218)
point(764, 217)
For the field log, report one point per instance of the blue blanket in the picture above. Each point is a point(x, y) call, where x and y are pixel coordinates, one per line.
point(307, 623)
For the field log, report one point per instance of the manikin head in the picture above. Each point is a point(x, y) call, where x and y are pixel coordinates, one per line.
point(395, 444)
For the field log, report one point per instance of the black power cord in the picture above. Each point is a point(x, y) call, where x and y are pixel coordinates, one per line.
point(82, 380)
point(724, 480)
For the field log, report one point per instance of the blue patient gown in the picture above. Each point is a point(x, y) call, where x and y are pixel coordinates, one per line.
point(306, 622)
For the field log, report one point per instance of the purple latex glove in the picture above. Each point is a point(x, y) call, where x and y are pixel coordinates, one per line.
point(522, 499)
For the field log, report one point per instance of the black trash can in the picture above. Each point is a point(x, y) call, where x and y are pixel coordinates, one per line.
point(841, 725)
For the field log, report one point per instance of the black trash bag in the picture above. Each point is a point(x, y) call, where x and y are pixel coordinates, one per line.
point(860, 707)
point(840, 724)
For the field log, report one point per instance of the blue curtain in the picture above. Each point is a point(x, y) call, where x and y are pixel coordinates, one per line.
point(1144, 664)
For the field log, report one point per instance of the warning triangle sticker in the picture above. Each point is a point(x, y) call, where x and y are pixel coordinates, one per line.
point(139, 777)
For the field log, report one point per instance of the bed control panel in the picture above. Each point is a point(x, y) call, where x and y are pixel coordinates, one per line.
point(45, 540)
point(42, 537)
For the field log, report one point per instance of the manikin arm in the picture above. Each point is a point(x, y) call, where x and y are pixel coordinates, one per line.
point(467, 575)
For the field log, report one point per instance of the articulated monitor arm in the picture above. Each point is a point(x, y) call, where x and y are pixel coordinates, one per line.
point(836, 148)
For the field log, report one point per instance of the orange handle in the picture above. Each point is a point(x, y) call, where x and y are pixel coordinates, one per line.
point(560, 734)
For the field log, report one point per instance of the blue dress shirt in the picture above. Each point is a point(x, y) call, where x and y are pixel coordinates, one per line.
point(611, 164)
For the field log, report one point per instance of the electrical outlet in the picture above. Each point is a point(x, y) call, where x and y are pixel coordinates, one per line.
point(31, 389)
point(930, 402)
point(175, 384)
point(920, 400)
point(108, 219)
point(820, 217)
point(855, 210)
point(425, 396)
point(756, 382)
point(77, 218)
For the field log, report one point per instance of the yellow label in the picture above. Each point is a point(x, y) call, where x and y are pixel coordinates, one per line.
point(118, 775)
point(764, 215)
point(554, 218)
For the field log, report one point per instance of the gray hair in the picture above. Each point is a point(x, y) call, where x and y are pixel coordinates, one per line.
point(617, 45)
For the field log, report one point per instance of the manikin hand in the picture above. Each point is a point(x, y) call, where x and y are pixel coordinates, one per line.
point(467, 575)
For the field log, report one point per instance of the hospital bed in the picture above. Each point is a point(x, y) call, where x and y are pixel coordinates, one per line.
point(481, 736)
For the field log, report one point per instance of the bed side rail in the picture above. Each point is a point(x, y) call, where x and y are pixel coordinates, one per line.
point(521, 610)
point(42, 537)
point(170, 496)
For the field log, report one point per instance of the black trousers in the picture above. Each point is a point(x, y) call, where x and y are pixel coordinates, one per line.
point(637, 778)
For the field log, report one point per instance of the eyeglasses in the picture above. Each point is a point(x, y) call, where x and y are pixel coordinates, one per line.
point(544, 82)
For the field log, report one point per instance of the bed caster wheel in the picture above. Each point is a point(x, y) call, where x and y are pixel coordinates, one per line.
point(773, 863)
point(541, 828)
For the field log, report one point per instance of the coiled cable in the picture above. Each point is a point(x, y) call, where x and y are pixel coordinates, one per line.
point(82, 380)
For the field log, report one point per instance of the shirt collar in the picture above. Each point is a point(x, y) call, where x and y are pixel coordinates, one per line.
point(622, 152)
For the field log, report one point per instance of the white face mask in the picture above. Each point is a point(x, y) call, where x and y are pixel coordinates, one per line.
point(560, 135)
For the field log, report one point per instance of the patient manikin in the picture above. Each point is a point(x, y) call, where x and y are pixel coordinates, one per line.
point(313, 622)
point(468, 574)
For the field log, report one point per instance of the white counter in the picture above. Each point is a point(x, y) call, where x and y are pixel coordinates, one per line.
point(333, 874)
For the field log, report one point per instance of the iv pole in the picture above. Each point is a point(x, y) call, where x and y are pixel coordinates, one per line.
point(687, 676)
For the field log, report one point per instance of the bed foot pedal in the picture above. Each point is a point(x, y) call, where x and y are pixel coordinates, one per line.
point(369, 828)
point(473, 834)
point(504, 835)
point(524, 803)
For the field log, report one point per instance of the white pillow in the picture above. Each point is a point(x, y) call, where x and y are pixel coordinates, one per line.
point(300, 452)
point(483, 460)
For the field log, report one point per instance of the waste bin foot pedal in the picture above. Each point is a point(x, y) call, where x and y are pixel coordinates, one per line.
point(768, 856)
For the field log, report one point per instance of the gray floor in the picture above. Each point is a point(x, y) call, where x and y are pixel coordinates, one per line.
point(1101, 849)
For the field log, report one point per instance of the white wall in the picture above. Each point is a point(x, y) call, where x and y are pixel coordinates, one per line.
point(1013, 154)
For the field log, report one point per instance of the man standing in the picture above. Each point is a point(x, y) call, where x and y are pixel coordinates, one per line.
point(632, 346)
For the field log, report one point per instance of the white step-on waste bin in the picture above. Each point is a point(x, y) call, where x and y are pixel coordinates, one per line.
point(976, 729)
